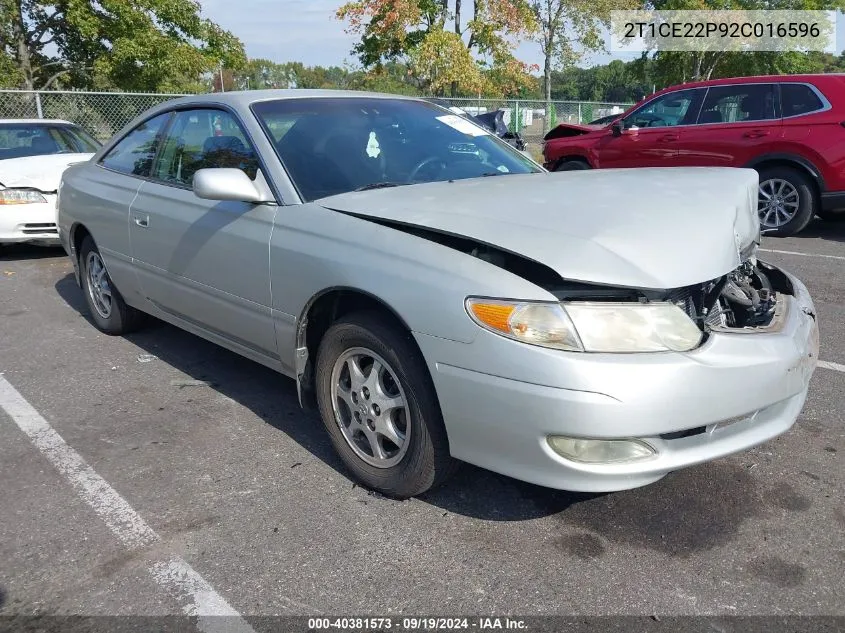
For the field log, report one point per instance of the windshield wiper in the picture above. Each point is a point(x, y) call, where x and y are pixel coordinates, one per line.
point(380, 185)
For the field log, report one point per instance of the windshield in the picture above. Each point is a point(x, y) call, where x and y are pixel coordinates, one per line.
point(336, 145)
point(18, 140)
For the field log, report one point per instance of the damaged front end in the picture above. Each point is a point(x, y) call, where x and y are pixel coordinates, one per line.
point(750, 298)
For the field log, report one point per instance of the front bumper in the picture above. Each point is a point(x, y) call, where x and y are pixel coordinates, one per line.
point(29, 223)
point(502, 399)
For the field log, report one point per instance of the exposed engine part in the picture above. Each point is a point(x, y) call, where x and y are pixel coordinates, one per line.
point(744, 297)
point(747, 298)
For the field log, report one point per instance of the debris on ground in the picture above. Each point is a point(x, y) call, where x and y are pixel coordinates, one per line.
point(189, 383)
point(146, 358)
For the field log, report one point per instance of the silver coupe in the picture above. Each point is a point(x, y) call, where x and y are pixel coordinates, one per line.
point(438, 296)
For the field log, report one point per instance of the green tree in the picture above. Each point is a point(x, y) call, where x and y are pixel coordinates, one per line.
point(673, 67)
point(569, 29)
point(263, 73)
point(442, 45)
point(618, 81)
point(130, 44)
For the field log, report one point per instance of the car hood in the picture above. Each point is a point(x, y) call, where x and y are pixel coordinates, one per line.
point(570, 130)
point(38, 172)
point(644, 228)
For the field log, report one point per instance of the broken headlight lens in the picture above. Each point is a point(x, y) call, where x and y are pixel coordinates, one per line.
point(590, 326)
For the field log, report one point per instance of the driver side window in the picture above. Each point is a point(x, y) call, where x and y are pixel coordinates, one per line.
point(674, 108)
point(202, 138)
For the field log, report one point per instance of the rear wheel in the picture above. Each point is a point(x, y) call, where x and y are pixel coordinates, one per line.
point(109, 311)
point(379, 406)
point(572, 165)
point(786, 201)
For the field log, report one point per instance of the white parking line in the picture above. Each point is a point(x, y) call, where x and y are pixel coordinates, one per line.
point(770, 250)
point(828, 365)
point(197, 597)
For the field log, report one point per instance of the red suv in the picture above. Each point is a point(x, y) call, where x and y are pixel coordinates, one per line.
point(788, 128)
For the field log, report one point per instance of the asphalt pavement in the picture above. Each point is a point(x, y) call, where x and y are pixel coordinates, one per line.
point(248, 508)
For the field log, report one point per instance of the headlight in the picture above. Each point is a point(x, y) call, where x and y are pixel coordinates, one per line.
point(543, 324)
point(590, 326)
point(20, 196)
point(634, 327)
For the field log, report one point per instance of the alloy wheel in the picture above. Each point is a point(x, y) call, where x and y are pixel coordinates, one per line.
point(98, 285)
point(777, 202)
point(370, 407)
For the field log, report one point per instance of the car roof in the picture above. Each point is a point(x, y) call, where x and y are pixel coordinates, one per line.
point(247, 97)
point(35, 122)
point(752, 80)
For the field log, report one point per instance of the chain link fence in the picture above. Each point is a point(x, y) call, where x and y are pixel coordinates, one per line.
point(532, 119)
point(100, 113)
point(104, 113)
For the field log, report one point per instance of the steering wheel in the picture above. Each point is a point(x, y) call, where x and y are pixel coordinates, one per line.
point(429, 160)
point(651, 120)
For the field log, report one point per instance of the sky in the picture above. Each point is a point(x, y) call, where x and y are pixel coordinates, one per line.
point(307, 31)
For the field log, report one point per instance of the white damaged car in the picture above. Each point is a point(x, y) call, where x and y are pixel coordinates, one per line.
point(33, 155)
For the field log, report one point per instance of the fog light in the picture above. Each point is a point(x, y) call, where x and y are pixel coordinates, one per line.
point(600, 451)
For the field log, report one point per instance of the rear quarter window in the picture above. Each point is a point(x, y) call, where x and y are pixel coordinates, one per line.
point(134, 153)
point(799, 99)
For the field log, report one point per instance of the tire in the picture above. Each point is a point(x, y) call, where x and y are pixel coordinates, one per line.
point(420, 459)
point(831, 215)
point(799, 189)
point(572, 165)
point(111, 315)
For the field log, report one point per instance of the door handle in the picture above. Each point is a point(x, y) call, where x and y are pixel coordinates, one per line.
point(668, 138)
point(143, 222)
point(756, 133)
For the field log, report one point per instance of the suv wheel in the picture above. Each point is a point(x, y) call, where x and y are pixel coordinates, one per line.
point(572, 165)
point(786, 201)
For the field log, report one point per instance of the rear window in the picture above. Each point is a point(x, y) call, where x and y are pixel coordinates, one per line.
point(799, 99)
point(738, 103)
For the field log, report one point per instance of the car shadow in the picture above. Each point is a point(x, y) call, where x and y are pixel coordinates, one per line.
point(268, 394)
point(831, 231)
point(690, 510)
point(23, 252)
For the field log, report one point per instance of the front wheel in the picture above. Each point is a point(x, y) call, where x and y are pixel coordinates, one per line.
point(109, 311)
point(786, 201)
point(379, 406)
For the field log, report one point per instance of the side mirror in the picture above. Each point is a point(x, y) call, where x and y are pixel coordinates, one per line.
point(617, 127)
point(225, 184)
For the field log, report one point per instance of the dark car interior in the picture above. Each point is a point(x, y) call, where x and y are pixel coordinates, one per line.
point(22, 140)
point(326, 154)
